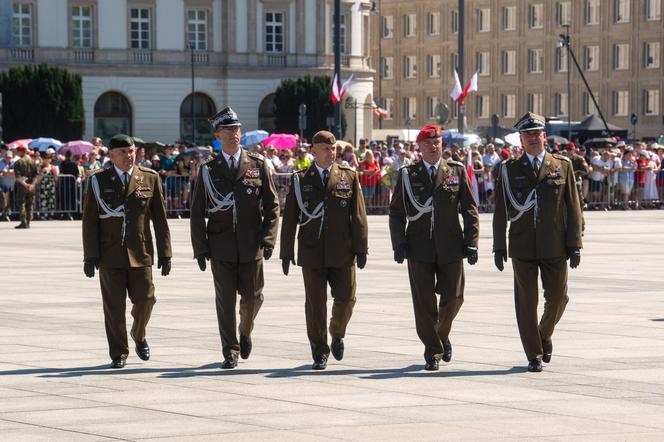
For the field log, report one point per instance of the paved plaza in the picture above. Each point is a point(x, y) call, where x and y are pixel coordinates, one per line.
point(605, 381)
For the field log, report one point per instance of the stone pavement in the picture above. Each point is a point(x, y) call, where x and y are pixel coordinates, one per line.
point(605, 382)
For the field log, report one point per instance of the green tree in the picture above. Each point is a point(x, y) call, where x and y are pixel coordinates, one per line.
point(315, 92)
point(42, 101)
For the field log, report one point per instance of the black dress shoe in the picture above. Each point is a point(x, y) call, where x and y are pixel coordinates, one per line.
point(143, 349)
point(547, 347)
point(245, 346)
point(337, 348)
point(320, 363)
point(535, 366)
point(230, 361)
point(119, 362)
point(447, 350)
point(431, 364)
point(21, 226)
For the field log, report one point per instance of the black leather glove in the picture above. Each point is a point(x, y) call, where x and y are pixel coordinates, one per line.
point(89, 266)
point(471, 255)
point(267, 251)
point(574, 256)
point(164, 263)
point(361, 260)
point(401, 253)
point(498, 258)
point(201, 261)
point(285, 264)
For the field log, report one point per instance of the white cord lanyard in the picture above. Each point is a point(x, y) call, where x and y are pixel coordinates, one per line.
point(318, 212)
point(421, 209)
point(105, 210)
point(219, 202)
point(530, 203)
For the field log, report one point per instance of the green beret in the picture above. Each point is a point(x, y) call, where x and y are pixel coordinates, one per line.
point(324, 137)
point(121, 140)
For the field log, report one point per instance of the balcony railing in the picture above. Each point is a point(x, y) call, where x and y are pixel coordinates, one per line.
point(141, 57)
point(201, 58)
point(275, 60)
point(84, 55)
point(23, 54)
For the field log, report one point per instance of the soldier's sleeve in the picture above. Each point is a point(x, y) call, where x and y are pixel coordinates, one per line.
point(584, 167)
point(574, 228)
point(159, 222)
point(499, 216)
point(270, 207)
point(289, 224)
point(469, 213)
point(398, 216)
point(199, 240)
point(90, 223)
point(359, 227)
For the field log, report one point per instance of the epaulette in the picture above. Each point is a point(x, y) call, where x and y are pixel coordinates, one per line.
point(101, 169)
point(345, 167)
point(209, 160)
point(148, 170)
point(300, 170)
point(256, 156)
point(561, 157)
point(456, 163)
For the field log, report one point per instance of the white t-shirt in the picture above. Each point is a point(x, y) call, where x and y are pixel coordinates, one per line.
point(598, 163)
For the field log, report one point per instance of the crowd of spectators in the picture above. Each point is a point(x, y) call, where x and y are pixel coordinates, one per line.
point(623, 175)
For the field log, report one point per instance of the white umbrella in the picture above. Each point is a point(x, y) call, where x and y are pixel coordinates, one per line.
point(514, 139)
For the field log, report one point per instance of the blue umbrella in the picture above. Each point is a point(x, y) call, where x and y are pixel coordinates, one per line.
point(216, 145)
point(44, 143)
point(253, 137)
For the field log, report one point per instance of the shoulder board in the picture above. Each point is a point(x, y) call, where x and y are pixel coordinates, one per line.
point(561, 157)
point(100, 170)
point(148, 170)
point(300, 170)
point(344, 166)
point(456, 163)
point(209, 160)
point(256, 156)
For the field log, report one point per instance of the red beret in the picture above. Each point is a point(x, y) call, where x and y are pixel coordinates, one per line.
point(21, 148)
point(504, 154)
point(430, 131)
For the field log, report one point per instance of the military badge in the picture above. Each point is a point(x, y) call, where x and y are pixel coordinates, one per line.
point(553, 175)
point(307, 188)
point(252, 172)
point(451, 180)
point(343, 186)
point(249, 191)
point(343, 203)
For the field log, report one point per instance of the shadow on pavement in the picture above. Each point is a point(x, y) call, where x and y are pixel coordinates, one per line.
point(214, 369)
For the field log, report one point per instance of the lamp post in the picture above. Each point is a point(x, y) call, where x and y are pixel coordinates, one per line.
point(337, 64)
point(462, 108)
point(193, 96)
point(569, 87)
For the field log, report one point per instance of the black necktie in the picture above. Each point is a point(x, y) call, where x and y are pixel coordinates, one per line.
point(232, 166)
point(432, 173)
point(125, 183)
point(536, 165)
point(326, 173)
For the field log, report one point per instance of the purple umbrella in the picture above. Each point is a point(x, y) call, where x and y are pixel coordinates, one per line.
point(78, 147)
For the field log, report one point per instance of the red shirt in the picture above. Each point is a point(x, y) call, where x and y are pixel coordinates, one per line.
point(369, 180)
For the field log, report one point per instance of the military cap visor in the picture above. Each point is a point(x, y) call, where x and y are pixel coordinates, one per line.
point(530, 122)
point(120, 140)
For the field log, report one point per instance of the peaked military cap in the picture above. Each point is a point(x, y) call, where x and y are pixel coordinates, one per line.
point(224, 118)
point(120, 140)
point(323, 136)
point(529, 122)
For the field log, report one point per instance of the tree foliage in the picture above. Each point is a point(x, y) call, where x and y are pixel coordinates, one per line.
point(42, 101)
point(315, 92)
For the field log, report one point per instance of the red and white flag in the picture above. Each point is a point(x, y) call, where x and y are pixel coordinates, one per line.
point(458, 94)
point(378, 111)
point(338, 93)
point(471, 177)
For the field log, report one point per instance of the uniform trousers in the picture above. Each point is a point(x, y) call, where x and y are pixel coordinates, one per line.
point(433, 318)
point(231, 278)
point(116, 284)
point(24, 202)
point(342, 289)
point(526, 297)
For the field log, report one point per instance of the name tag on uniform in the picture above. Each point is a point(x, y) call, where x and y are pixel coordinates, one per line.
point(252, 172)
point(307, 188)
point(343, 186)
point(452, 180)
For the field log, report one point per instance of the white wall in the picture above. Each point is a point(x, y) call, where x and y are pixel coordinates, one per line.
point(245, 96)
point(170, 25)
point(112, 18)
point(52, 24)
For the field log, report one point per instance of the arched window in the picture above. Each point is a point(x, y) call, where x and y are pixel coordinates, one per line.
point(203, 108)
point(266, 114)
point(112, 116)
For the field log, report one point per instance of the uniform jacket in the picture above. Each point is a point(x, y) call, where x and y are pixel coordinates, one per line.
point(451, 196)
point(345, 229)
point(144, 202)
point(257, 207)
point(25, 168)
point(559, 216)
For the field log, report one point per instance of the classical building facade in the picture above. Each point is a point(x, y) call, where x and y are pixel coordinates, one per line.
point(136, 57)
point(515, 46)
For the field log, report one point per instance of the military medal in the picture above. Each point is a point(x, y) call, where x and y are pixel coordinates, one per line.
point(249, 191)
point(343, 203)
point(252, 172)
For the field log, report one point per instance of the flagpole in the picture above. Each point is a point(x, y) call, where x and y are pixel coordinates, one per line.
point(460, 70)
point(337, 64)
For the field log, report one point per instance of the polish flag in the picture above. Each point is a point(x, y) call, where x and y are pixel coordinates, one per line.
point(338, 94)
point(378, 111)
point(471, 177)
point(458, 94)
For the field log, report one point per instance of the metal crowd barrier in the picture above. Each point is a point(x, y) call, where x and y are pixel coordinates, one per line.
point(63, 195)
